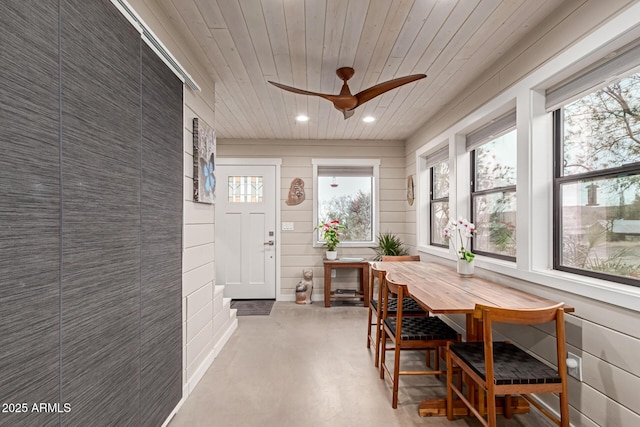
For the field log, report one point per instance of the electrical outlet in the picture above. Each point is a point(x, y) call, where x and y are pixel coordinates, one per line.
point(574, 366)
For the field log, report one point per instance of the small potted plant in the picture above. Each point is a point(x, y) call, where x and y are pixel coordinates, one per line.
point(330, 233)
point(389, 244)
point(459, 234)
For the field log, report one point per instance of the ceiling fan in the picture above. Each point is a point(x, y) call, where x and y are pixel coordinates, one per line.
point(345, 101)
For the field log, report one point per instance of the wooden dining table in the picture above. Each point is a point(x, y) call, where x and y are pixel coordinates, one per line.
point(439, 289)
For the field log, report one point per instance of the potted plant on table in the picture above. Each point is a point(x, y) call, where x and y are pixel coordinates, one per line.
point(389, 244)
point(330, 233)
point(459, 234)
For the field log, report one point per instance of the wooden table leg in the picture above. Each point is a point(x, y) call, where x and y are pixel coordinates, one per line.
point(327, 285)
point(366, 281)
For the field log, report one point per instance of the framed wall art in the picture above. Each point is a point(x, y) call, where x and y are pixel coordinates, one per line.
point(204, 165)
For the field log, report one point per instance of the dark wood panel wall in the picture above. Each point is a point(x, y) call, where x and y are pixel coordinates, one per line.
point(90, 219)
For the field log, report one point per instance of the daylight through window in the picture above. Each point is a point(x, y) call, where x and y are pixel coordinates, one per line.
point(493, 188)
point(347, 193)
point(597, 184)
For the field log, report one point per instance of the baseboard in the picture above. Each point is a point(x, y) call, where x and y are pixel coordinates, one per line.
point(185, 393)
point(197, 376)
point(199, 373)
point(225, 337)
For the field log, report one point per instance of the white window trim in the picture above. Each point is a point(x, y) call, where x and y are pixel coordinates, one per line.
point(535, 177)
point(425, 162)
point(375, 164)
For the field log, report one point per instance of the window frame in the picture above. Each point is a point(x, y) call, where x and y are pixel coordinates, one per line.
point(375, 199)
point(479, 193)
point(558, 181)
point(498, 127)
point(439, 200)
point(535, 170)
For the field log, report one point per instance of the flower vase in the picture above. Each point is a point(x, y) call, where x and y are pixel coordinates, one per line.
point(331, 255)
point(465, 269)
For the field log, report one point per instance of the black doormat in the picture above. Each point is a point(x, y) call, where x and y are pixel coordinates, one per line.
point(253, 307)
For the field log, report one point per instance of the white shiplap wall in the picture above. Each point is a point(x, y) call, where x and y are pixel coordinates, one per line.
point(605, 334)
point(297, 251)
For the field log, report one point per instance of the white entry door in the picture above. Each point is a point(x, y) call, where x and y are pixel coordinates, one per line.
point(245, 231)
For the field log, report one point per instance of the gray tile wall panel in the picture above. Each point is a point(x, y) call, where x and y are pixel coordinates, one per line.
point(29, 210)
point(100, 326)
point(161, 203)
point(101, 135)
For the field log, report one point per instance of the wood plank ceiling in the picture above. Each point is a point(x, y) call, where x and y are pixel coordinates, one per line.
point(300, 43)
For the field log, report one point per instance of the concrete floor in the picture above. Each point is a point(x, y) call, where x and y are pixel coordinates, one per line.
point(309, 366)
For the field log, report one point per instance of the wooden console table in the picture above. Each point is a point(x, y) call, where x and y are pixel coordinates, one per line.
point(362, 293)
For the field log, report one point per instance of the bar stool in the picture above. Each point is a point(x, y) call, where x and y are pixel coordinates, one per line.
point(410, 307)
point(409, 333)
point(502, 368)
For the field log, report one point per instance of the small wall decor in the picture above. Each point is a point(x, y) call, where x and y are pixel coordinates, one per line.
point(204, 154)
point(410, 189)
point(296, 192)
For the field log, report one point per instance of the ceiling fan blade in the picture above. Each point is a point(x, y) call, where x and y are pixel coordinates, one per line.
point(383, 87)
point(296, 90)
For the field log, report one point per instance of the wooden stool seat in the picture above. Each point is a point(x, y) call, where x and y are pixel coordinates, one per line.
point(409, 307)
point(422, 329)
point(511, 364)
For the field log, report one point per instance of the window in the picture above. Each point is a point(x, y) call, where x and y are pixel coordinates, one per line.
point(438, 165)
point(493, 187)
point(245, 189)
point(597, 183)
point(346, 190)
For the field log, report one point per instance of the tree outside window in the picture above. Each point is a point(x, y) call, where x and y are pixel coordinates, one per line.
point(598, 183)
point(346, 190)
point(493, 197)
point(439, 202)
point(347, 199)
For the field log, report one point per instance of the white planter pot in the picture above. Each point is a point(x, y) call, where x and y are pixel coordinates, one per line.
point(465, 269)
point(331, 255)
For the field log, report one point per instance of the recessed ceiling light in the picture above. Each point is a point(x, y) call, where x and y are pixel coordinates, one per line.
point(369, 119)
point(302, 118)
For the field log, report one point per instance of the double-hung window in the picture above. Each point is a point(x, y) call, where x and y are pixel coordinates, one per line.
point(438, 165)
point(493, 187)
point(347, 190)
point(597, 172)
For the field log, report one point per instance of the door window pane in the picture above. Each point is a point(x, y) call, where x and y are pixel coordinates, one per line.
point(245, 189)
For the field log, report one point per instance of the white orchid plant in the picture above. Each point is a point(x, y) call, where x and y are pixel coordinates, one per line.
point(459, 233)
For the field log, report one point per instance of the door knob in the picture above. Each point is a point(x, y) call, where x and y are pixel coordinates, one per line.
point(270, 243)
